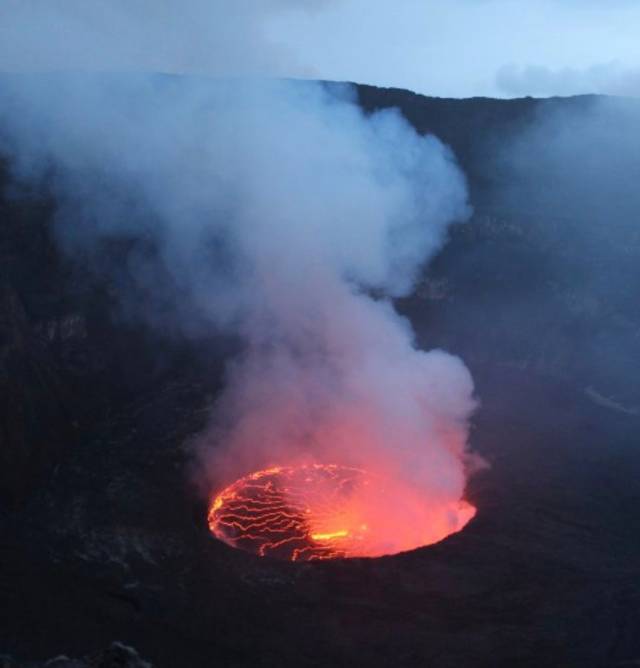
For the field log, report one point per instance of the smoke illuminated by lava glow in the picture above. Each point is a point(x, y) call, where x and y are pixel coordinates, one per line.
point(329, 512)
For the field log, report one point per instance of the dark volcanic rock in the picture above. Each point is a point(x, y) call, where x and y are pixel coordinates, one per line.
point(35, 404)
point(102, 537)
point(116, 656)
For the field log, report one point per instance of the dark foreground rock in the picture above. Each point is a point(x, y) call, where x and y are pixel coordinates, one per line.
point(116, 656)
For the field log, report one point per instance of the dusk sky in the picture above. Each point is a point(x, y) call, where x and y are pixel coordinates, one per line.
point(456, 48)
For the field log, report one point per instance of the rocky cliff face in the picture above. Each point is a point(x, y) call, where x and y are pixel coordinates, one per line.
point(103, 537)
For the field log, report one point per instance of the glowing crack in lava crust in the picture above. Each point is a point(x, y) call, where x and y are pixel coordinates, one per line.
point(327, 511)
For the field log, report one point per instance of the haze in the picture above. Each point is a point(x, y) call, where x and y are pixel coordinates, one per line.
point(457, 48)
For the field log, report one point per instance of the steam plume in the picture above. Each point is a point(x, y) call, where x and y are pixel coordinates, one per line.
point(277, 210)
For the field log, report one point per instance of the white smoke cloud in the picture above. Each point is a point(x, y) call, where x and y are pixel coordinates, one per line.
point(263, 209)
point(275, 209)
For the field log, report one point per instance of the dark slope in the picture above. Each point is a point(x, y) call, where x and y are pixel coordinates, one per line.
point(103, 539)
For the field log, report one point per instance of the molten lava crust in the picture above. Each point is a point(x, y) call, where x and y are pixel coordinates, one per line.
point(329, 512)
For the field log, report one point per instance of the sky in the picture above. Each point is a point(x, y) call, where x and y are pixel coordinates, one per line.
point(450, 48)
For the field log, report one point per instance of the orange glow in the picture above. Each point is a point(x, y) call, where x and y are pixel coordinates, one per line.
point(327, 511)
point(329, 536)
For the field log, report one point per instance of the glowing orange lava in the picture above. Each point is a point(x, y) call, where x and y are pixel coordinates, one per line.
point(328, 512)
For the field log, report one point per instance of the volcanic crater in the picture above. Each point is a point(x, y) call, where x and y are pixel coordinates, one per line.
point(103, 536)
